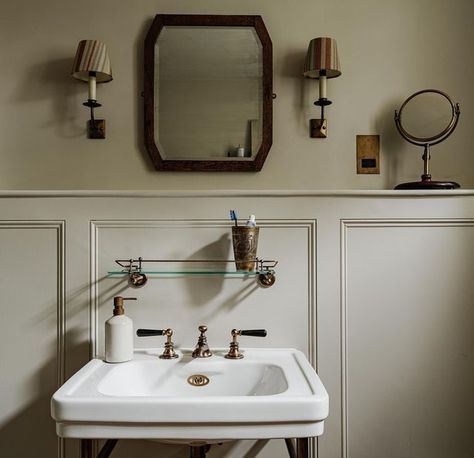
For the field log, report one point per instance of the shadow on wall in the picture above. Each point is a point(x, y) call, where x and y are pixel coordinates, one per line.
point(50, 82)
point(302, 105)
point(77, 300)
point(201, 290)
point(392, 143)
point(31, 431)
point(209, 287)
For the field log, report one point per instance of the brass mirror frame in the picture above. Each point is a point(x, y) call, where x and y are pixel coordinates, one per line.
point(435, 139)
point(162, 20)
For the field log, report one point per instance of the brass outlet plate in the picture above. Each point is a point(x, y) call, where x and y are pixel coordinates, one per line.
point(368, 154)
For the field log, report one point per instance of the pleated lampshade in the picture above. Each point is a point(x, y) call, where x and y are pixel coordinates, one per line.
point(92, 56)
point(322, 55)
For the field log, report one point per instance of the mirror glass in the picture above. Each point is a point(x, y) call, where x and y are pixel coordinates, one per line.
point(208, 93)
point(426, 115)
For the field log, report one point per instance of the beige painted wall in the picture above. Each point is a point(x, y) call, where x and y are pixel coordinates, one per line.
point(389, 49)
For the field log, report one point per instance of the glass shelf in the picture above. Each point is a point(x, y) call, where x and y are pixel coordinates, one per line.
point(133, 268)
point(238, 273)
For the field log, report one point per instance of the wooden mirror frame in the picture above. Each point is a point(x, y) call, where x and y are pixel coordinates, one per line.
point(162, 20)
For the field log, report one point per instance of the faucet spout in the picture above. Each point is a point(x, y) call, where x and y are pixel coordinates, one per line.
point(202, 348)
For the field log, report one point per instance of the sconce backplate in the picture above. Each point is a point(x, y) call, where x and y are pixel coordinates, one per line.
point(318, 128)
point(96, 129)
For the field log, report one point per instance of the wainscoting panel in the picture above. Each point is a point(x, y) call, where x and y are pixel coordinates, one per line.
point(286, 310)
point(375, 287)
point(32, 335)
point(407, 322)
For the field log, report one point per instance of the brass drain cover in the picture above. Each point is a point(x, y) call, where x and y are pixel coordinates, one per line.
point(198, 380)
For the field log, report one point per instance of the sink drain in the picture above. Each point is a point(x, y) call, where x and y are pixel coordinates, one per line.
point(198, 380)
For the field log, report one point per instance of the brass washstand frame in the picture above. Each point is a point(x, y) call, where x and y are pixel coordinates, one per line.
point(298, 449)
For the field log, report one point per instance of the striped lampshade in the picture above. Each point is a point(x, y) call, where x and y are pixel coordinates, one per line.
point(322, 55)
point(92, 56)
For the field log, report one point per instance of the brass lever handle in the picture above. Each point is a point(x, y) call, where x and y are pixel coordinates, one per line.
point(149, 332)
point(234, 352)
point(168, 352)
point(253, 332)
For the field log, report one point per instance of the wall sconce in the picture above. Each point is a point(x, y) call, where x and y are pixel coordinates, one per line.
point(322, 62)
point(92, 65)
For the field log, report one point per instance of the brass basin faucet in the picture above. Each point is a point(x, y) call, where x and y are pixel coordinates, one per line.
point(202, 348)
point(168, 352)
point(234, 351)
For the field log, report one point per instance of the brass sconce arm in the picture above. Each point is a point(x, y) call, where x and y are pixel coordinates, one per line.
point(95, 127)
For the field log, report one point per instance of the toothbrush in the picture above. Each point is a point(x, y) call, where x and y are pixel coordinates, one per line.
point(233, 217)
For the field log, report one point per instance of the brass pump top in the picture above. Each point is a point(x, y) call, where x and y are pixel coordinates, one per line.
point(118, 304)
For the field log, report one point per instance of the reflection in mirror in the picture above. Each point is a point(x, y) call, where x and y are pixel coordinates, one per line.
point(209, 92)
point(427, 114)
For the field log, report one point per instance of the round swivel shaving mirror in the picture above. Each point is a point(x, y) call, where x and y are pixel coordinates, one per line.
point(426, 118)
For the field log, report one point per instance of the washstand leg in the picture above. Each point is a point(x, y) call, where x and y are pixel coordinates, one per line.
point(290, 446)
point(86, 448)
point(302, 447)
point(107, 448)
point(198, 451)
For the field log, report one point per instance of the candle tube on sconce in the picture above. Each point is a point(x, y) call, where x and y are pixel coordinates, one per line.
point(322, 87)
point(92, 86)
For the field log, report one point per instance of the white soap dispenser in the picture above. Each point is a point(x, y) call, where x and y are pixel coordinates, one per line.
point(119, 333)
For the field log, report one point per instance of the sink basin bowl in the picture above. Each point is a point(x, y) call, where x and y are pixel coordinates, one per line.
point(270, 393)
point(223, 377)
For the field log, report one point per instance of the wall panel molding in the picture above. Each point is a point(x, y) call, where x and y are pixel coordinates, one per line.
point(227, 193)
point(59, 228)
point(308, 225)
point(346, 225)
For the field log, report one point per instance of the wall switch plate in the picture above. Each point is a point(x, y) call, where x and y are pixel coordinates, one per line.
point(368, 154)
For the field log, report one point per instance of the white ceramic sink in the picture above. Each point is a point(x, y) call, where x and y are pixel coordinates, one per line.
point(270, 393)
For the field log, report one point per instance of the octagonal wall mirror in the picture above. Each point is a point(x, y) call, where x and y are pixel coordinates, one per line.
point(208, 93)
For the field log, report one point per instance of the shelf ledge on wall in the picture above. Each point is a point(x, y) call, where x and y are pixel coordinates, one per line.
point(236, 193)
